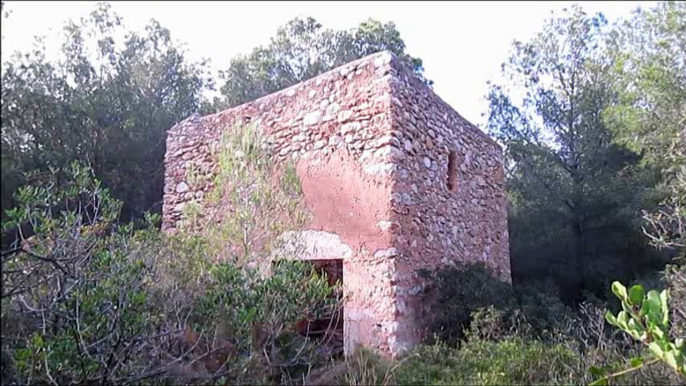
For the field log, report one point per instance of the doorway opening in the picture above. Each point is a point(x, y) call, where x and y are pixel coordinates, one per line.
point(328, 330)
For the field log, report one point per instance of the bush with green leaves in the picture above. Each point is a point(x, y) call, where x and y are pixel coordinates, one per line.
point(497, 351)
point(468, 294)
point(257, 312)
point(76, 293)
point(461, 290)
point(508, 361)
point(473, 310)
point(645, 317)
point(87, 300)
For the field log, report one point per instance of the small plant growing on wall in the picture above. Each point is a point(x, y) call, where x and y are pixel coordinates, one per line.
point(253, 200)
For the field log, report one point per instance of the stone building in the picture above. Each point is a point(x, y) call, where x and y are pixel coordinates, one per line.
point(395, 179)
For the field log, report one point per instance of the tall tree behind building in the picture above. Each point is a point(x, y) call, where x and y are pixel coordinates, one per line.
point(106, 101)
point(576, 191)
point(649, 52)
point(303, 49)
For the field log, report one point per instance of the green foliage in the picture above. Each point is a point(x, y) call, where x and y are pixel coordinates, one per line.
point(645, 317)
point(107, 101)
point(461, 290)
point(85, 300)
point(303, 49)
point(666, 226)
point(253, 202)
point(292, 291)
point(576, 189)
point(520, 336)
point(471, 301)
point(76, 294)
point(650, 72)
point(650, 116)
point(506, 362)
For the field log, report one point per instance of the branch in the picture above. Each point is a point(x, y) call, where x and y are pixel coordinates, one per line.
point(600, 381)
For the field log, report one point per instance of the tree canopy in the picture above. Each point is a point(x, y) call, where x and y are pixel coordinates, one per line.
point(576, 178)
point(303, 49)
point(107, 102)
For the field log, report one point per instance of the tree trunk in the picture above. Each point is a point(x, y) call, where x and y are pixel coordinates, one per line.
point(579, 257)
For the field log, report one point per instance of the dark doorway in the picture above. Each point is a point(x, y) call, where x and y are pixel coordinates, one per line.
point(328, 329)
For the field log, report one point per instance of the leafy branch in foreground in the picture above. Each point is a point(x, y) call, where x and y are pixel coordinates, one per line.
point(646, 318)
point(87, 300)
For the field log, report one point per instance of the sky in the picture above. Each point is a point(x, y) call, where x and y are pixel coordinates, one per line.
point(462, 44)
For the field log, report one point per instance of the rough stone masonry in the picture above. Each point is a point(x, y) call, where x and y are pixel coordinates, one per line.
point(395, 179)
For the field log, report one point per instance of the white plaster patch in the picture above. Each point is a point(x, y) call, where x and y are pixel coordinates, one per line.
point(401, 306)
point(385, 253)
point(350, 127)
point(311, 245)
point(333, 107)
point(344, 115)
point(384, 225)
point(380, 168)
point(389, 152)
point(353, 315)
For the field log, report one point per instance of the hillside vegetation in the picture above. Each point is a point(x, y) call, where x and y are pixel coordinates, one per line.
point(592, 119)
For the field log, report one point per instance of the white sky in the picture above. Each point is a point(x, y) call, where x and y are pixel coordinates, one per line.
point(462, 44)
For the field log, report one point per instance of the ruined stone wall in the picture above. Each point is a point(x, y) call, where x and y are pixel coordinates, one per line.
point(438, 225)
point(372, 145)
point(345, 110)
point(336, 126)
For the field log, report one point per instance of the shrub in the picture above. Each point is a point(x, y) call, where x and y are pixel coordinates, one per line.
point(510, 361)
point(542, 309)
point(469, 291)
point(254, 201)
point(257, 313)
point(76, 294)
point(87, 300)
point(675, 277)
point(645, 317)
point(461, 290)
